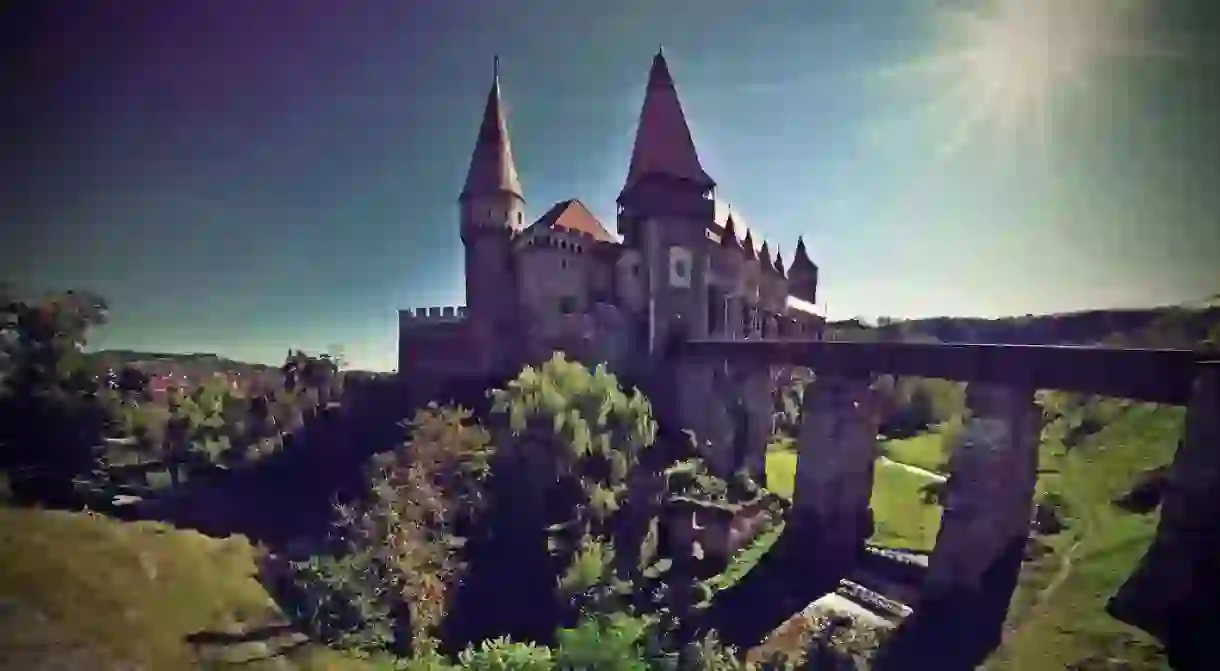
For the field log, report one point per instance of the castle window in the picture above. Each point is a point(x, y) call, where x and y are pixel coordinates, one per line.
point(680, 264)
point(563, 263)
point(567, 305)
point(520, 223)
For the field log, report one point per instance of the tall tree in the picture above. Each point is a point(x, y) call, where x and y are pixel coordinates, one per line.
point(51, 417)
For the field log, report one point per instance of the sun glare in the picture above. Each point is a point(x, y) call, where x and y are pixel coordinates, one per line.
point(999, 67)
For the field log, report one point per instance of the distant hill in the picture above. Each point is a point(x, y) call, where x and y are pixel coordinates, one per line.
point(198, 362)
point(203, 359)
point(1171, 326)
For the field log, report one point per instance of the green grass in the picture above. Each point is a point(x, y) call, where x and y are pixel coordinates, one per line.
point(1057, 617)
point(1067, 625)
point(902, 519)
point(99, 593)
point(926, 451)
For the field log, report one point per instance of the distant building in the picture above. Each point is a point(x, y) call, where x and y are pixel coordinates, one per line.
point(565, 282)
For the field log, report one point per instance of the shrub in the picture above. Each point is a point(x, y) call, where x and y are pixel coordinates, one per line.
point(501, 654)
point(401, 540)
point(568, 440)
point(340, 602)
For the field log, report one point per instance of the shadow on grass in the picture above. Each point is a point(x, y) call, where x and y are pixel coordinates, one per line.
point(261, 634)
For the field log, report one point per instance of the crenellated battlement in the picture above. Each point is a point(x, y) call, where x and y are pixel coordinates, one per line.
point(415, 317)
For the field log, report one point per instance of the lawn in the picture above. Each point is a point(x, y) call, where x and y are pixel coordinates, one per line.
point(902, 519)
point(1057, 618)
point(926, 451)
point(1066, 625)
point(90, 592)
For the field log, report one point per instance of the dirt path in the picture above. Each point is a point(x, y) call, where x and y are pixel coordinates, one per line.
point(915, 469)
point(1045, 594)
point(1065, 568)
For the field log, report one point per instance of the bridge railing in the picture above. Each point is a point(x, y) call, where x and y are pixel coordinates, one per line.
point(985, 526)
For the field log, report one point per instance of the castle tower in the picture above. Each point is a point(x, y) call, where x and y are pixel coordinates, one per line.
point(665, 212)
point(492, 211)
point(803, 275)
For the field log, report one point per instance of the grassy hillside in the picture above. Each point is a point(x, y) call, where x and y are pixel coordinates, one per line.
point(902, 519)
point(83, 591)
point(1093, 451)
point(1057, 618)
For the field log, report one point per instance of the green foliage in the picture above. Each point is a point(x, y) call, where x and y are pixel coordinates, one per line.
point(585, 425)
point(502, 654)
point(612, 643)
point(402, 544)
point(341, 604)
point(574, 433)
point(51, 412)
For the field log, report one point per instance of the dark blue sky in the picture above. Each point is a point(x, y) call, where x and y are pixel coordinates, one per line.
point(245, 177)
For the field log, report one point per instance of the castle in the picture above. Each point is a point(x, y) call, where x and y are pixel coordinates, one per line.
point(564, 282)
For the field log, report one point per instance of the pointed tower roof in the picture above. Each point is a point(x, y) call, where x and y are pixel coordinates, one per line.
point(663, 143)
point(779, 264)
point(765, 255)
point(748, 244)
point(801, 261)
point(492, 169)
point(728, 238)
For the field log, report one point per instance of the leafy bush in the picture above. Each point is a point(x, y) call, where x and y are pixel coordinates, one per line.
point(568, 441)
point(614, 643)
point(501, 654)
point(339, 603)
point(402, 546)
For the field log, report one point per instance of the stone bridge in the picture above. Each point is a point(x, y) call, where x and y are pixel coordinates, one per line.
point(718, 387)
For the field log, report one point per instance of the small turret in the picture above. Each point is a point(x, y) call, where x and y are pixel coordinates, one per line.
point(779, 264)
point(748, 244)
point(492, 211)
point(764, 255)
point(803, 275)
point(729, 237)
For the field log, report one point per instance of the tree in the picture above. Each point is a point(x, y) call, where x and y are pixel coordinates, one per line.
point(132, 385)
point(51, 415)
point(311, 379)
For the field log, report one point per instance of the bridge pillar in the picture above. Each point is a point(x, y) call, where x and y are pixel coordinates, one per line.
point(828, 523)
point(837, 445)
point(759, 410)
point(1174, 593)
point(984, 529)
point(702, 397)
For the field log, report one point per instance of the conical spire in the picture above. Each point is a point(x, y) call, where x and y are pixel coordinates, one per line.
point(492, 169)
point(801, 259)
point(779, 264)
point(764, 255)
point(748, 244)
point(663, 143)
point(729, 237)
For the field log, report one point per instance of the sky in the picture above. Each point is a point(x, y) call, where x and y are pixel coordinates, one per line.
point(243, 178)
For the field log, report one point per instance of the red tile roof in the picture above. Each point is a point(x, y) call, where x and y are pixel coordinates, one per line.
point(572, 215)
point(491, 165)
point(663, 143)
